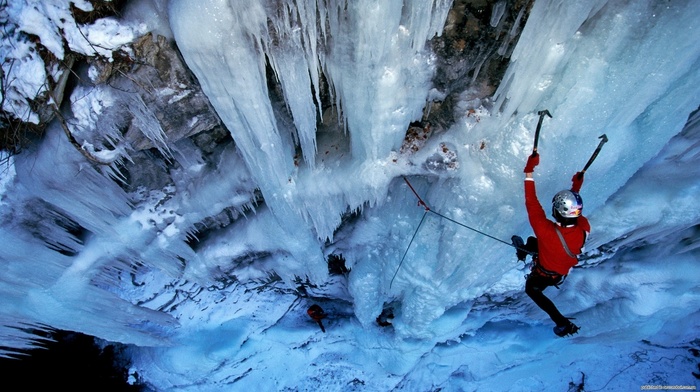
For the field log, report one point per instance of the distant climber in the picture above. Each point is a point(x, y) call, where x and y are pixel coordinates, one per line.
point(384, 319)
point(556, 245)
point(317, 314)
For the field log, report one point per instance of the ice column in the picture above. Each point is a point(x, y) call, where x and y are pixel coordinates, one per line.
point(224, 47)
point(372, 55)
point(379, 69)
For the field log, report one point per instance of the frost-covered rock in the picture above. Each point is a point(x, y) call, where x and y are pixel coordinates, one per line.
point(168, 89)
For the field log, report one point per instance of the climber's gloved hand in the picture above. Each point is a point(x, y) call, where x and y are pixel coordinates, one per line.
point(532, 161)
point(576, 182)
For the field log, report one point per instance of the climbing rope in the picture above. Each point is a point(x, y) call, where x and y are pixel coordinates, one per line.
point(427, 209)
point(473, 229)
point(422, 203)
point(409, 246)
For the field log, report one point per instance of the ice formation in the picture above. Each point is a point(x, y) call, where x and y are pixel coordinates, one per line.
point(626, 69)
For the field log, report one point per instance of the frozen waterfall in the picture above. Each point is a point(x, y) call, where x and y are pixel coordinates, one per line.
point(573, 60)
point(317, 97)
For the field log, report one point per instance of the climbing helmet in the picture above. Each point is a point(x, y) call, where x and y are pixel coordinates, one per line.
point(567, 204)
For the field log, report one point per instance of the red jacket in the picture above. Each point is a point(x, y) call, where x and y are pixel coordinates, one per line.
point(551, 253)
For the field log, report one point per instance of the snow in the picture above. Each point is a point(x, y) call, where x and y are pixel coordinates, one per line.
point(229, 313)
point(53, 23)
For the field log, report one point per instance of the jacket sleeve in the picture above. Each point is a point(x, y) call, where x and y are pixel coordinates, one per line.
point(535, 212)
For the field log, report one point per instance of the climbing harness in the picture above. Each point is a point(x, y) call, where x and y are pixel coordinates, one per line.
point(557, 279)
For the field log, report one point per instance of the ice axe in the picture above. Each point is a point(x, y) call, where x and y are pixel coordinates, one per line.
point(541, 113)
point(604, 139)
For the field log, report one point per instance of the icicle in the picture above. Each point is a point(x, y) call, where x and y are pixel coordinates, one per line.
point(374, 59)
point(497, 13)
point(293, 58)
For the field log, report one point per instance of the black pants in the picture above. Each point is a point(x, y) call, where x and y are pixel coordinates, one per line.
point(534, 287)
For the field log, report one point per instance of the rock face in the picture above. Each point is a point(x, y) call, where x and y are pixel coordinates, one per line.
point(159, 86)
point(171, 90)
point(473, 52)
point(159, 78)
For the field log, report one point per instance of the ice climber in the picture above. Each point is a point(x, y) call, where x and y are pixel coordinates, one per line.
point(317, 314)
point(384, 319)
point(555, 247)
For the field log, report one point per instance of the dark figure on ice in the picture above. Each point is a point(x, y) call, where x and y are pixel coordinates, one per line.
point(556, 245)
point(384, 319)
point(317, 314)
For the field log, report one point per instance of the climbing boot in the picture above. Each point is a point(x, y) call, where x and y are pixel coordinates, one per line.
point(566, 330)
point(519, 245)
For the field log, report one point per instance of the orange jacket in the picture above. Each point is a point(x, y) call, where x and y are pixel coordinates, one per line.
point(551, 253)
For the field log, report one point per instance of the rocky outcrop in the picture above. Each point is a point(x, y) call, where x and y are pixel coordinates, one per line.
point(163, 83)
point(473, 52)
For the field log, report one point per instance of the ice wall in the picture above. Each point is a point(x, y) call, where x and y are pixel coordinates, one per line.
point(378, 73)
point(626, 69)
point(73, 237)
point(654, 204)
point(55, 275)
point(598, 66)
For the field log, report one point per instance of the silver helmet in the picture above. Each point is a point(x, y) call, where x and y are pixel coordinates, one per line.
point(567, 204)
